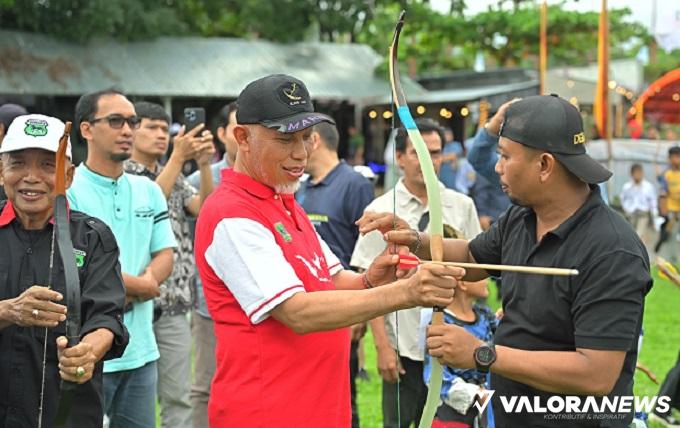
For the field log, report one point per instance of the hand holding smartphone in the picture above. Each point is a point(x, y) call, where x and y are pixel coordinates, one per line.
point(193, 116)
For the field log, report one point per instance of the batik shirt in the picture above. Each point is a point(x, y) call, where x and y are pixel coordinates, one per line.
point(177, 292)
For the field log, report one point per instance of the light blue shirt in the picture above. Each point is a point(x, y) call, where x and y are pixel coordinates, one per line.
point(195, 180)
point(135, 209)
point(215, 169)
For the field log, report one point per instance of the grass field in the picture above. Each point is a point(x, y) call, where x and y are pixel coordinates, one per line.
point(659, 350)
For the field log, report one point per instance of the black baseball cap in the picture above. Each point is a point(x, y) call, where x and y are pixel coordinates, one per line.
point(280, 102)
point(9, 112)
point(553, 124)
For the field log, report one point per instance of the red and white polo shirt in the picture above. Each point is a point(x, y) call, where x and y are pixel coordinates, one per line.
point(255, 249)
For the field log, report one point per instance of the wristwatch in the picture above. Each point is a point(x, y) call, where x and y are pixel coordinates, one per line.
point(484, 356)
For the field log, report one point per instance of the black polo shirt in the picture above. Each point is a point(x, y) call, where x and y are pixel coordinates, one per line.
point(601, 308)
point(25, 261)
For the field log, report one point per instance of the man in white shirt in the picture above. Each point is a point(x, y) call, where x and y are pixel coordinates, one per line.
point(639, 202)
point(461, 221)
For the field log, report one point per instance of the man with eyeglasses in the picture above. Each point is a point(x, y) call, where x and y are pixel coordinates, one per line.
point(460, 220)
point(135, 209)
point(171, 324)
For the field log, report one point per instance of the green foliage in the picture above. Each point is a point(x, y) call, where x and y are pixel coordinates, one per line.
point(572, 35)
point(665, 62)
point(80, 20)
point(509, 37)
point(429, 41)
point(506, 33)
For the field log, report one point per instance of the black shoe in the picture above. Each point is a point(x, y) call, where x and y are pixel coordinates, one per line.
point(668, 421)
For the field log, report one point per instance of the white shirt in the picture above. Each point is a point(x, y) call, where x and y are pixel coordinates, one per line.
point(639, 197)
point(458, 212)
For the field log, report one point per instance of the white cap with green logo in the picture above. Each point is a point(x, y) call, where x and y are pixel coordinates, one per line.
point(34, 131)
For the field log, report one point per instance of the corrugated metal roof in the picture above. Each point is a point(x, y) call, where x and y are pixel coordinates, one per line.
point(35, 64)
point(459, 95)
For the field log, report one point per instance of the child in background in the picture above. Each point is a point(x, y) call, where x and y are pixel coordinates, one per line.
point(669, 205)
point(639, 202)
point(462, 387)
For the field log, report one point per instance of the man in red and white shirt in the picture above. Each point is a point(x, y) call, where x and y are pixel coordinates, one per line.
point(279, 297)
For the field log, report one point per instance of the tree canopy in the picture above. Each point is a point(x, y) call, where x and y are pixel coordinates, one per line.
point(506, 33)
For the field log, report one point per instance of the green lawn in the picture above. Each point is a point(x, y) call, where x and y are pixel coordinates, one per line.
point(659, 350)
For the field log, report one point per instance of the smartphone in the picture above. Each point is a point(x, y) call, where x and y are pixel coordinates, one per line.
point(193, 116)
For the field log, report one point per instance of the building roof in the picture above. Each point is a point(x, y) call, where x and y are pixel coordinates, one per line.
point(468, 86)
point(35, 64)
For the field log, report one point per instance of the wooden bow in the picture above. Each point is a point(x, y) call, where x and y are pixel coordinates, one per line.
point(436, 229)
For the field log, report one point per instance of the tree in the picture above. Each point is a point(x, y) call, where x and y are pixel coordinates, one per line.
point(430, 40)
point(511, 37)
point(665, 62)
point(80, 20)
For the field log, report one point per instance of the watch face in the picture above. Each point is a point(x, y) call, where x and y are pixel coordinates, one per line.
point(485, 355)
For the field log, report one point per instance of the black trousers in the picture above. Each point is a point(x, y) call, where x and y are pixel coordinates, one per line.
point(671, 386)
point(412, 396)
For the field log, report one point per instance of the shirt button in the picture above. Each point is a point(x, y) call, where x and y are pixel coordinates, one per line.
point(276, 196)
point(29, 250)
point(287, 212)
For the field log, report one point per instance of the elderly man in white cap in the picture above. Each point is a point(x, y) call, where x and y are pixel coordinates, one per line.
point(32, 287)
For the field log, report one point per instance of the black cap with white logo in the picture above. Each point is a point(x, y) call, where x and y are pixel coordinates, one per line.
point(280, 102)
point(551, 123)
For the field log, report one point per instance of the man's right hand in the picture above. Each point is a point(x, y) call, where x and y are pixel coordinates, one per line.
point(35, 307)
point(493, 127)
point(433, 285)
point(394, 229)
point(388, 363)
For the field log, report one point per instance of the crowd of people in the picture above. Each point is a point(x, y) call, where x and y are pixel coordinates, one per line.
point(271, 263)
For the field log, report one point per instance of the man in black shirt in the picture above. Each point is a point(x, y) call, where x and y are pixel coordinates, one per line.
point(560, 336)
point(33, 290)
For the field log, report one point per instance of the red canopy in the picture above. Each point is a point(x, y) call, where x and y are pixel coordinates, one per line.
point(661, 100)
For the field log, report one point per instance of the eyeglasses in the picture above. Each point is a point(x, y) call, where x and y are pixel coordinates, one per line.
point(116, 121)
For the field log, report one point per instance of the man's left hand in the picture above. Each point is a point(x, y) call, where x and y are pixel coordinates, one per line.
point(452, 345)
point(76, 364)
